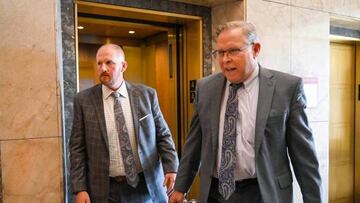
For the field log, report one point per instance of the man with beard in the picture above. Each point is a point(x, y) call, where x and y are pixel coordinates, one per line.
point(121, 149)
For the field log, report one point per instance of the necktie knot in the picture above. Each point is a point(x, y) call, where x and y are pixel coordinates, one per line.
point(116, 95)
point(235, 86)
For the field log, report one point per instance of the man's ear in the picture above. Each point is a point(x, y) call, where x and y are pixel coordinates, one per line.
point(124, 66)
point(256, 49)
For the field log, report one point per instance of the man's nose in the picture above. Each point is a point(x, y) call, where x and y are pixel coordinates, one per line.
point(103, 67)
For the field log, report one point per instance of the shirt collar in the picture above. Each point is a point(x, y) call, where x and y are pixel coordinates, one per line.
point(252, 77)
point(122, 90)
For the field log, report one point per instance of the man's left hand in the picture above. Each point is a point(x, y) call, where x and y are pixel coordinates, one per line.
point(169, 182)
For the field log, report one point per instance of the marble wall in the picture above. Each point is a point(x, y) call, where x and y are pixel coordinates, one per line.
point(30, 143)
point(223, 13)
point(295, 39)
point(349, 8)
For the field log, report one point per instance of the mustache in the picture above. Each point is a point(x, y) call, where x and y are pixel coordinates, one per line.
point(104, 74)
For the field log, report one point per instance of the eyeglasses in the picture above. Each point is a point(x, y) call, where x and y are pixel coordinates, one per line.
point(230, 52)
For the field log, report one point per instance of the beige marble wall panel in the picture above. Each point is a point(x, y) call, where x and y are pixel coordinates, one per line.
point(29, 100)
point(225, 13)
point(272, 21)
point(279, 1)
point(31, 170)
point(310, 55)
point(310, 4)
point(349, 8)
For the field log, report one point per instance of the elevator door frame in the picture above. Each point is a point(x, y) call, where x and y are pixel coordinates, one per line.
point(66, 51)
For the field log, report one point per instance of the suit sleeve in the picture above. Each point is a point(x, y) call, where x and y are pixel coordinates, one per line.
point(301, 149)
point(164, 141)
point(191, 156)
point(77, 149)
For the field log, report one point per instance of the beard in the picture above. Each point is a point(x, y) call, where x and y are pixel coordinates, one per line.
point(105, 79)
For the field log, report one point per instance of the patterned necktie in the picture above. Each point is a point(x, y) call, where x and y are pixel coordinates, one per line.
point(228, 154)
point(125, 146)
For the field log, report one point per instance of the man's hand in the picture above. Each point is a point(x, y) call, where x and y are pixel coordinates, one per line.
point(177, 197)
point(82, 197)
point(169, 181)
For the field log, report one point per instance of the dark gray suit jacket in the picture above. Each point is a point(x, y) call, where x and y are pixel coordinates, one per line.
point(89, 152)
point(282, 131)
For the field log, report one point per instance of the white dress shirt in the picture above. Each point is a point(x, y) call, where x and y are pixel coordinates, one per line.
point(116, 162)
point(245, 127)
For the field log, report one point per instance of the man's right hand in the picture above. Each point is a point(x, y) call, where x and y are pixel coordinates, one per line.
point(177, 197)
point(82, 197)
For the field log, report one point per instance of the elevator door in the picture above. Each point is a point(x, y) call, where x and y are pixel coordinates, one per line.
point(342, 121)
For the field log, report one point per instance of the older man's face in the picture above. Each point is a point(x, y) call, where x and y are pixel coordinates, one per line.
point(235, 55)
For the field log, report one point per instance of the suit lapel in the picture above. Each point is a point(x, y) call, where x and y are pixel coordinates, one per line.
point(266, 91)
point(135, 106)
point(99, 108)
point(215, 97)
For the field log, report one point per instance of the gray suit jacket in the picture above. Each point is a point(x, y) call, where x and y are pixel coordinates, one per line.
point(282, 131)
point(89, 152)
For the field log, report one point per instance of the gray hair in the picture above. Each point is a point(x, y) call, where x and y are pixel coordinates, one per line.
point(248, 29)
